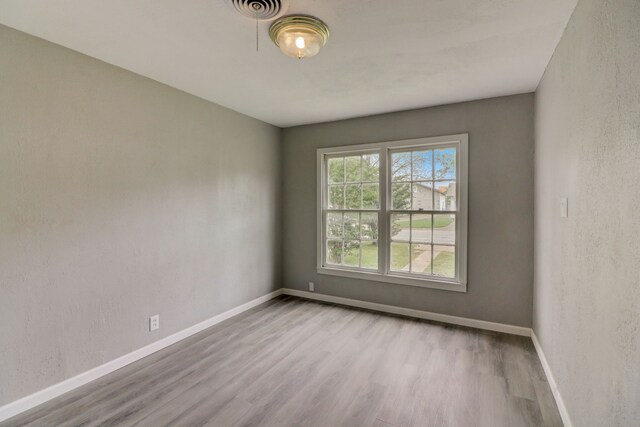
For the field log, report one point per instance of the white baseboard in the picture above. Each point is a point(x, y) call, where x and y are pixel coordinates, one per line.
point(445, 318)
point(564, 414)
point(14, 408)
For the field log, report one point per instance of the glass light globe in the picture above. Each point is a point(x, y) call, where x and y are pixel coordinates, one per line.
point(299, 44)
point(299, 36)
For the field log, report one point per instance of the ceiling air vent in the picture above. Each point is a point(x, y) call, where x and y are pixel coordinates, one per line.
point(259, 9)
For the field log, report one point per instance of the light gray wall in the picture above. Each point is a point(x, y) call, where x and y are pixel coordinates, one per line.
point(120, 198)
point(587, 280)
point(500, 264)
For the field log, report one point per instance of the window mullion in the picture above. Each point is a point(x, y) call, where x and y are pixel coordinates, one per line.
point(344, 189)
point(433, 185)
point(383, 217)
point(411, 215)
point(410, 185)
point(410, 241)
point(342, 241)
point(360, 230)
point(433, 219)
point(425, 212)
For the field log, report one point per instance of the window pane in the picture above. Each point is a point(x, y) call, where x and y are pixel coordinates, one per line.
point(352, 168)
point(353, 196)
point(444, 261)
point(421, 259)
point(353, 184)
point(399, 256)
point(336, 170)
point(334, 225)
point(336, 197)
point(334, 252)
point(401, 196)
point(369, 255)
point(421, 228)
point(401, 166)
point(352, 253)
point(370, 196)
point(352, 226)
point(422, 165)
point(445, 196)
point(444, 229)
point(400, 227)
point(371, 167)
point(369, 226)
point(422, 196)
point(445, 163)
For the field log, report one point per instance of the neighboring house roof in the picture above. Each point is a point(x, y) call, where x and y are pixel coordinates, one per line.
point(444, 190)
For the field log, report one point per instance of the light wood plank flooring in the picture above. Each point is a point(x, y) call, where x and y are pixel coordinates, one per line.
point(293, 362)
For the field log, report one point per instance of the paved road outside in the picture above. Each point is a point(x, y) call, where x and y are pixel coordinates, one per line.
point(444, 235)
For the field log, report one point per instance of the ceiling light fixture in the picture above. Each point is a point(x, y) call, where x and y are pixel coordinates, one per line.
point(299, 36)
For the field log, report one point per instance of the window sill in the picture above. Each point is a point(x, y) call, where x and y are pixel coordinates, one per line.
point(446, 285)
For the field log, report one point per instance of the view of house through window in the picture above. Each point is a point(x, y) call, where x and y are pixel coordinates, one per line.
point(423, 194)
point(393, 210)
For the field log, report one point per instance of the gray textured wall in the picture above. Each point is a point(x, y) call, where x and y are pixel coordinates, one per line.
point(587, 286)
point(120, 198)
point(500, 264)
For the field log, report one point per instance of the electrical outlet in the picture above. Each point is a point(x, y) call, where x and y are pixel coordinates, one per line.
point(311, 287)
point(154, 322)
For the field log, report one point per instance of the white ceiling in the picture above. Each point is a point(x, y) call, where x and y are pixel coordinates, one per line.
point(382, 55)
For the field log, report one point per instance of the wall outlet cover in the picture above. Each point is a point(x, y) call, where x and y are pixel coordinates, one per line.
point(154, 322)
point(312, 287)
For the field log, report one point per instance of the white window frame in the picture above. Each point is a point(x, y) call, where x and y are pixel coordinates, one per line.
point(383, 274)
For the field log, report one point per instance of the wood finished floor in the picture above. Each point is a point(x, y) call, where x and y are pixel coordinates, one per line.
point(293, 362)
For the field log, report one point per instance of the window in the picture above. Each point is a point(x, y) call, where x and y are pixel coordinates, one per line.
point(353, 189)
point(395, 212)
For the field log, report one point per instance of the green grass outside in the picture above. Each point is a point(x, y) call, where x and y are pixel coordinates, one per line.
point(440, 221)
point(444, 263)
point(369, 256)
point(399, 256)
